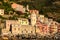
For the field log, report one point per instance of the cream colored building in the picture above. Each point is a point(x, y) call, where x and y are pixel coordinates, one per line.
point(1, 11)
point(5, 32)
point(33, 16)
point(24, 29)
point(33, 19)
point(46, 20)
point(41, 18)
point(53, 28)
point(49, 22)
point(10, 22)
point(15, 29)
point(23, 21)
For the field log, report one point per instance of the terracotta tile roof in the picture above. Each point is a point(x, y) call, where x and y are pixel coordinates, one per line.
point(34, 11)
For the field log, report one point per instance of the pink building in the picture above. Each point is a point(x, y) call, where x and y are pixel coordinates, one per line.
point(44, 29)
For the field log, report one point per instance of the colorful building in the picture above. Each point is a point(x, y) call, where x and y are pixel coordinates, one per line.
point(44, 29)
point(23, 21)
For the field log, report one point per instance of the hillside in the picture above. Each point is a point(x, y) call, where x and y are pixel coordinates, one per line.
point(50, 8)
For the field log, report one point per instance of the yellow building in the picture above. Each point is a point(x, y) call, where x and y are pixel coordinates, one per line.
point(23, 21)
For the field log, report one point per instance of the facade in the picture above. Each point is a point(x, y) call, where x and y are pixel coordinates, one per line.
point(34, 14)
point(49, 22)
point(23, 21)
point(10, 22)
point(1, 11)
point(5, 32)
point(46, 20)
point(24, 29)
point(39, 24)
point(43, 29)
point(15, 29)
point(53, 28)
point(41, 18)
point(59, 28)
point(33, 19)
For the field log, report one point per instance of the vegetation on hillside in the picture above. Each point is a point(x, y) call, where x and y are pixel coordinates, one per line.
point(47, 7)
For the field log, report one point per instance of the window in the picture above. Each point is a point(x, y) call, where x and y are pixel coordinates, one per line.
point(1, 13)
point(16, 25)
point(18, 28)
point(26, 22)
point(31, 31)
point(22, 32)
point(22, 22)
point(26, 31)
point(14, 28)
